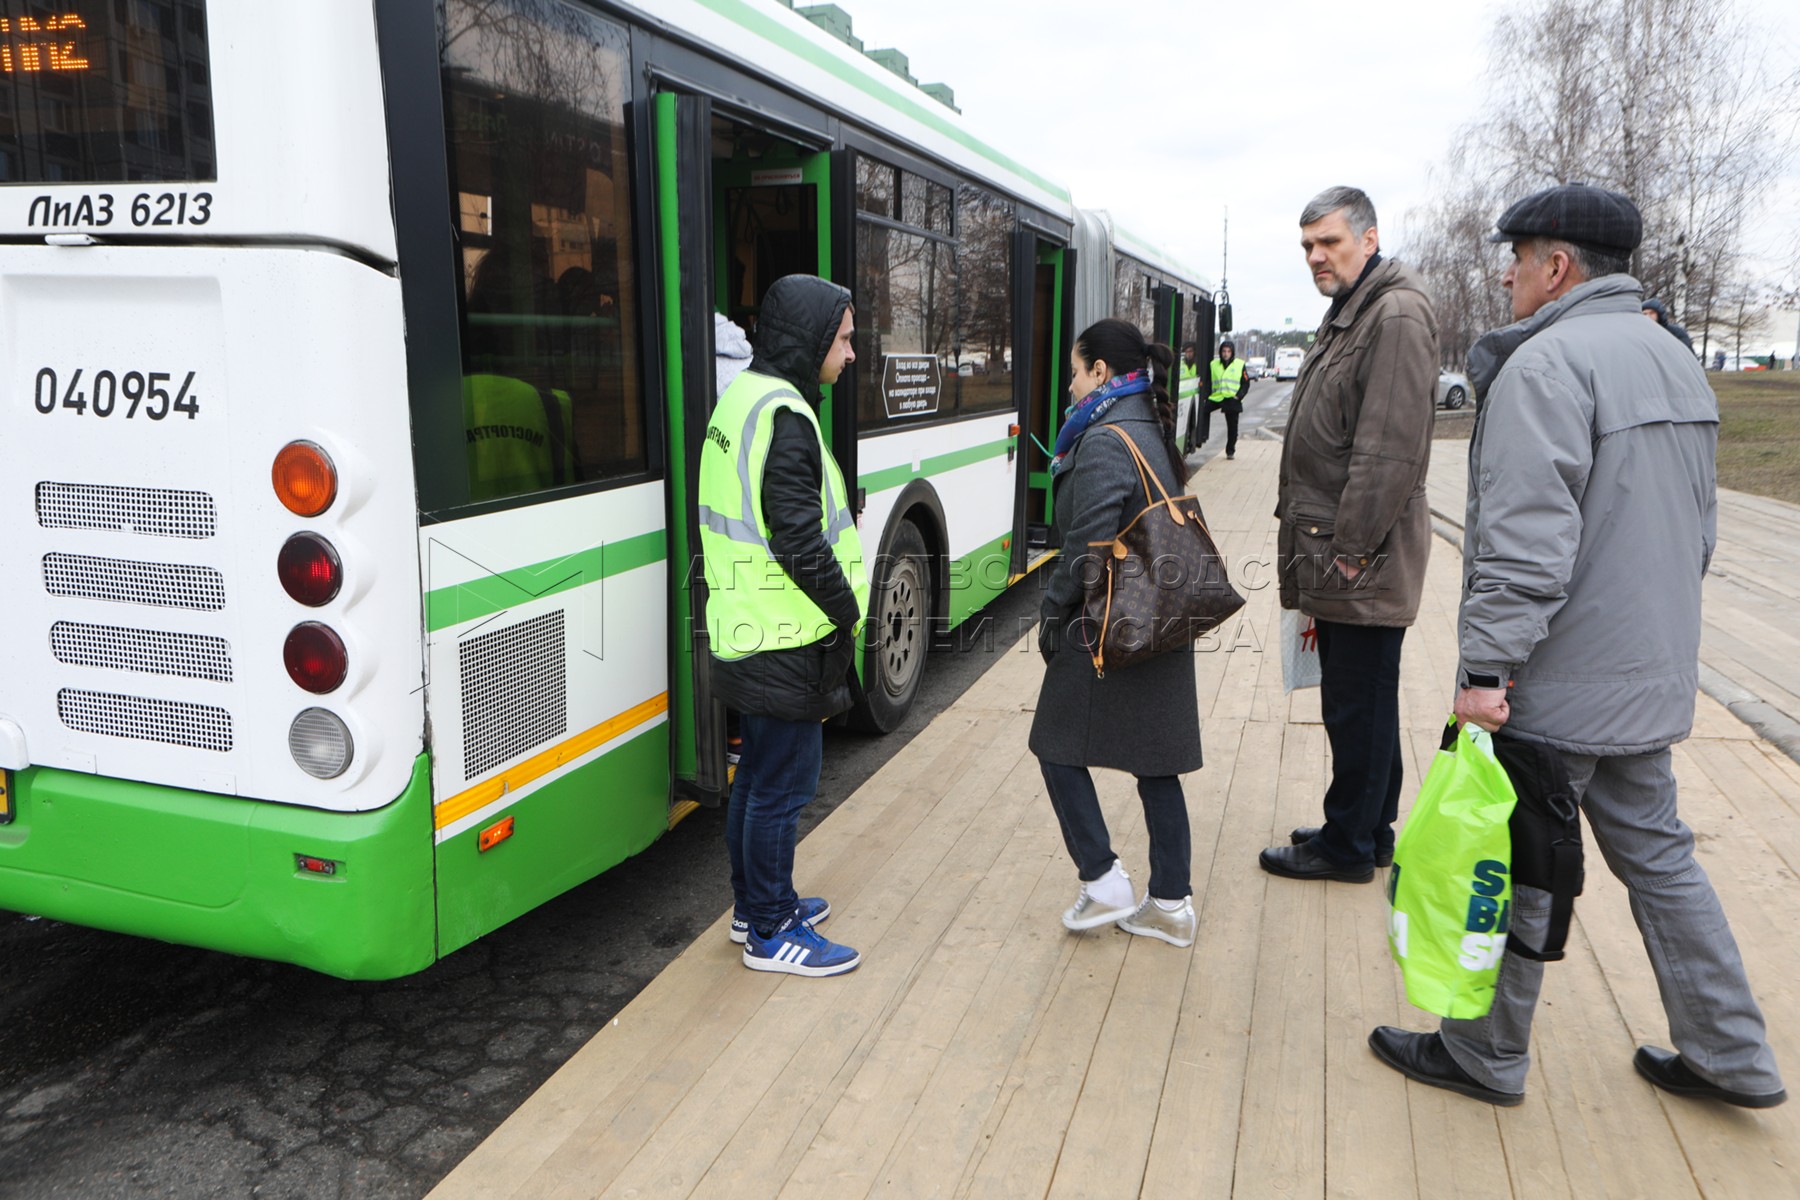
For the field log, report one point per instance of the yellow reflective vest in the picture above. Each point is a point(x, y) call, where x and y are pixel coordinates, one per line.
point(518, 437)
point(753, 604)
point(1226, 380)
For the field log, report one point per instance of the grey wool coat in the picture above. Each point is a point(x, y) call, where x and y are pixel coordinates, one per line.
point(1144, 719)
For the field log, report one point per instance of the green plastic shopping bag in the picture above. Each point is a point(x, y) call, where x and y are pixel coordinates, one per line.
point(1450, 891)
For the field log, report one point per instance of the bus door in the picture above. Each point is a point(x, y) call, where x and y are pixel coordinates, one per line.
point(1046, 381)
point(739, 207)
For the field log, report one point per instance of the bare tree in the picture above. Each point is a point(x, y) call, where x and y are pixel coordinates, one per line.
point(1653, 98)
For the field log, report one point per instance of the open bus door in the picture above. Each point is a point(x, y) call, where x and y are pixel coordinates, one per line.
point(1042, 318)
point(738, 207)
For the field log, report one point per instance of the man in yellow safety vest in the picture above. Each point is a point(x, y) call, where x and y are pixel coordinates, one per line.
point(1229, 386)
point(787, 595)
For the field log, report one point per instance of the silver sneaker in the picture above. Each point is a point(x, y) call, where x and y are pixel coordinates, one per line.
point(1090, 913)
point(1152, 920)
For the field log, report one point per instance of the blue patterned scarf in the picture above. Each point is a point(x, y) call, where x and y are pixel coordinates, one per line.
point(1092, 407)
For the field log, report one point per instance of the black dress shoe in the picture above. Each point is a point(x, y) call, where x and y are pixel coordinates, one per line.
point(1303, 862)
point(1306, 833)
point(1665, 1069)
point(1422, 1056)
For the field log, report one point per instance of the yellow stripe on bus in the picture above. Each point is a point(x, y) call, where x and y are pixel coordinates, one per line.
point(456, 807)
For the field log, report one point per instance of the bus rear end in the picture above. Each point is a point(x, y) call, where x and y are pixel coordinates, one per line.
point(211, 723)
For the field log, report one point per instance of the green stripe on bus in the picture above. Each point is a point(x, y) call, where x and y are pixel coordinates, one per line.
point(893, 477)
point(770, 29)
point(447, 606)
point(978, 578)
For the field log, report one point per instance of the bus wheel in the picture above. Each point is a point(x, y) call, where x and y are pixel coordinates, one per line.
point(900, 603)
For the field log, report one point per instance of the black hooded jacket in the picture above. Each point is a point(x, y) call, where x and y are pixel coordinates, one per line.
point(794, 332)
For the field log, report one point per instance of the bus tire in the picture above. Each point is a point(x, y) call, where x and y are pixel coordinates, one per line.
point(899, 632)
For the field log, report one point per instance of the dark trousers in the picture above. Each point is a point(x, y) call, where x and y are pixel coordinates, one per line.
point(1077, 808)
point(777, 776)
point(1230, 413)
point(1359, 698)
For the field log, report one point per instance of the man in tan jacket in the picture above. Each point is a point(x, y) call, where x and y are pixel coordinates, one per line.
point(1355, 526)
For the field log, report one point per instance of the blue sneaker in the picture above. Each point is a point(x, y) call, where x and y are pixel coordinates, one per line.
point(812, 910)
point(796, 949)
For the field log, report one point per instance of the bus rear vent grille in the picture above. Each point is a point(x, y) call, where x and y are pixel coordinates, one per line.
point(169, 585)
point(154, 652)
point(200, 726)
point(515, 691)
point(154, 512)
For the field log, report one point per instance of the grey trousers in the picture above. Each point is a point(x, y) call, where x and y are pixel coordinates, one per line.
point(1714, 1022)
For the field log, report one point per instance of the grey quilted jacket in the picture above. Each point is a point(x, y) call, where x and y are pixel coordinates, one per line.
point(1591, 520)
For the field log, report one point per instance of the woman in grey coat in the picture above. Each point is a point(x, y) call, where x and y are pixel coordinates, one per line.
point(1144, 719)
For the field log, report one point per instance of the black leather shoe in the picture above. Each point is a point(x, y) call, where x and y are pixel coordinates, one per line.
point(1306, 833)
point(1422, 1056)
point(1665, 1069)
point(1303, 862)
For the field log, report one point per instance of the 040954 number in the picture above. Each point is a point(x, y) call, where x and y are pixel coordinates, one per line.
point(129, 394)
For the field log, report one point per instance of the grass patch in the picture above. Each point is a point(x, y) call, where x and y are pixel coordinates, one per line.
point(1759, 432)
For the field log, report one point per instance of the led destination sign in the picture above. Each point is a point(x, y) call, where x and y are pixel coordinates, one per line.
point(93, 91)
point(29, 44)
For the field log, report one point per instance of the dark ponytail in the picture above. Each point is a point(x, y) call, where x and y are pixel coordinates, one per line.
point(1122, 347)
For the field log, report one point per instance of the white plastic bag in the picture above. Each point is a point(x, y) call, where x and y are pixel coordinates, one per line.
point(1299, 650)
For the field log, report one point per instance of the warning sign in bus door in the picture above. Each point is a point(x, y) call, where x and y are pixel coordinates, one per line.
point(911, 385)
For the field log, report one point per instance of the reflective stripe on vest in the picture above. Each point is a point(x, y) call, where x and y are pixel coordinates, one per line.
point(1226, 380)
point(753, 604)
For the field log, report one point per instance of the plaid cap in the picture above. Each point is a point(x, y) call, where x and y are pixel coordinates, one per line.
point(1590, 217)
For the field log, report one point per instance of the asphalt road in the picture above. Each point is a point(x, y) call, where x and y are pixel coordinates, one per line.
point(132, 1068)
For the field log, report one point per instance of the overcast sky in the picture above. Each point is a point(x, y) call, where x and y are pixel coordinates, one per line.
point(1272, 103)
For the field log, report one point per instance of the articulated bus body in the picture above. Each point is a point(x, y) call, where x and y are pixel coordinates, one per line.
point(355, 360)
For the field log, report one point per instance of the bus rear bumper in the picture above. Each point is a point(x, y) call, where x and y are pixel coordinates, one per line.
point(226, 873)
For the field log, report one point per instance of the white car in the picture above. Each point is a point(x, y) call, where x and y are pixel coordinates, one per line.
point(1287, 362)
point(1454, 389)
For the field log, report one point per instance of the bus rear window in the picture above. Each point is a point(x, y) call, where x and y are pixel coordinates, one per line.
point(105, 91)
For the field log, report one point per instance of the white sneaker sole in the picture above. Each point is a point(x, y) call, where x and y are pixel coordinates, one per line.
point(1095, 919)
point(770, 964)
point(1146, 931)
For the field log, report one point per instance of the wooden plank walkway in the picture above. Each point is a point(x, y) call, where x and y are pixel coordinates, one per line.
point(981, 1050)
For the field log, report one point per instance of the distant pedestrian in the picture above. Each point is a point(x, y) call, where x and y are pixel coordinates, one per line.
point(1591, 519)
point(1657, 311)
point(1230, 384)
point(786, 600)
point(1144, 718)
point(1355, 523)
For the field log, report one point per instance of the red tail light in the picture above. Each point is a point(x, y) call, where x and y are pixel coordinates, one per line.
point(315, 657)
point(310, 569)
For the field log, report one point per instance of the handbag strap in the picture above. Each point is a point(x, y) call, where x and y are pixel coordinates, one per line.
point(1144, 471)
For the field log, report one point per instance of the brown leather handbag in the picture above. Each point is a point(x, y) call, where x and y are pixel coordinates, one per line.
point(1158, 585)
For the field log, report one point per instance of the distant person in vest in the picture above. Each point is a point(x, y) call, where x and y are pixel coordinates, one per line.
point(1584, 551)
point(787, 596)
point(517, 427)
point(1187, 391)
point(1230, 385)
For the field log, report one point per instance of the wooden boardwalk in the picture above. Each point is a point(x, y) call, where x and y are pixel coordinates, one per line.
point(981, 1050)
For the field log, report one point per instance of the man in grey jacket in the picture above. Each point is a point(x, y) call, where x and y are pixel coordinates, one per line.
point(1591, 520)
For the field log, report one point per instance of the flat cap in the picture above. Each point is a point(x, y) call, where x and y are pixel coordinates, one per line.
point(1590, 217)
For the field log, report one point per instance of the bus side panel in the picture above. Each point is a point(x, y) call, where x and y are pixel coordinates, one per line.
point(562, 835)
point(224, 874)
point(973, 466)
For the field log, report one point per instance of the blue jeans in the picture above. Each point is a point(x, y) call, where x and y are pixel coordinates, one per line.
point(1359, 699)
point(1077, 807)
point(777, 776)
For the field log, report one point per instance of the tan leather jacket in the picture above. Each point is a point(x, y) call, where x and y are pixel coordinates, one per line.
point(1357, 449)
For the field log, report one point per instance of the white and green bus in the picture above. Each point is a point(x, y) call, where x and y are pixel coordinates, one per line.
point(354, 363)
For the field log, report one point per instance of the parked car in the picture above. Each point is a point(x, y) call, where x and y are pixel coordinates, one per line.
point(1454, 389)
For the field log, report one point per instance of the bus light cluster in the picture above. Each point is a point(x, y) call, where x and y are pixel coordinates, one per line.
point(312, 574)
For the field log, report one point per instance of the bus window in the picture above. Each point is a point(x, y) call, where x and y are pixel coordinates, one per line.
point(984, 229)
point(540, 170)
